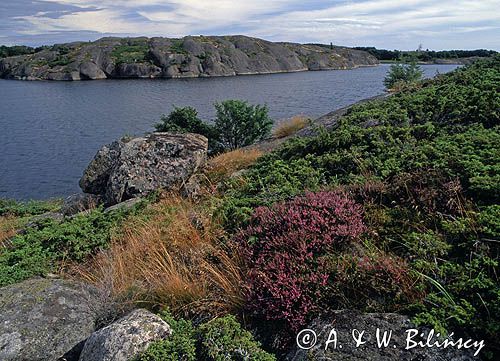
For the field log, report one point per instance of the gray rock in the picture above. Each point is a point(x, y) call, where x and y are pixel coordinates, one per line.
point(90, 70)
point(126, 338)
point(137, 167)
point(80, 202)
point(192, 56)
point(344, 322)
point(44, 319)
point(128, 204)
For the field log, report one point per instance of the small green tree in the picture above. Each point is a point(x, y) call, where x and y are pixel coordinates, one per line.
point(239, 124)
point(184, 120)
point(403, 74)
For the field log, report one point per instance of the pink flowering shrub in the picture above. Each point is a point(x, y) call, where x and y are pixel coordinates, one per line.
point(284, 248)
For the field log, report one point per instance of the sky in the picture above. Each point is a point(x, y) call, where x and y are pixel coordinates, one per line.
point(389, 24)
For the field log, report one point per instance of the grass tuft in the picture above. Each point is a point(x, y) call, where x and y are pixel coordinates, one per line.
point(291, 126)
point(171, 258)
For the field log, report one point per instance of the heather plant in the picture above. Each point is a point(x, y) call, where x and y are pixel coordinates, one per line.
point(284, 246)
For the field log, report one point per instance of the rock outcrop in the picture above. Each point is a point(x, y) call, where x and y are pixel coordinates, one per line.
point(134, 168)
point(201, 56)
point(126, 338)
point(344, 322)
point(45, 320)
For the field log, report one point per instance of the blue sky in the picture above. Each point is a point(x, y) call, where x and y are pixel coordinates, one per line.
point(436, 24)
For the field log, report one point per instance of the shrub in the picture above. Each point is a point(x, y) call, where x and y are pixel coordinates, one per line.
point(186, 120)
point(224, 339)
point(371, 281)
point(180, 346)
point(50, 244)
point(283, 248)
point(265, 183)
point(20, 209)
point(240, 124)
point(403, 73)
point(218, 340)
point(291, 126)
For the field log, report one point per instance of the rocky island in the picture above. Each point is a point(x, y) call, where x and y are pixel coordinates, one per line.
point(189, 57)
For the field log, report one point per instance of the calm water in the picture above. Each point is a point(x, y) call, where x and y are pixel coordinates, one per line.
point(49, 131)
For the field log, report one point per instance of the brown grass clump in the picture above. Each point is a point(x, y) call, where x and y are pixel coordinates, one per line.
point(291, 126)
point(170, 259)
point(8, 228)
point(226, 164)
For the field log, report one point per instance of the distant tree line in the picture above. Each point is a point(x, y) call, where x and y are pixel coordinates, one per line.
point(6, 51)
point(425, 55)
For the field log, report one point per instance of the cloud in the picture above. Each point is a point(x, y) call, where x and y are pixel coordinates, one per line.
point(384, 23)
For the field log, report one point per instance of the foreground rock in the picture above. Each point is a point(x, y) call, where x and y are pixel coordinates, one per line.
point(46, 320)
point(137, 167)
point(126, 338)
point(200, 56)
point(345, 321)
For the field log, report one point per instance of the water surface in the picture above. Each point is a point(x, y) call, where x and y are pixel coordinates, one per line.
point(49, 131)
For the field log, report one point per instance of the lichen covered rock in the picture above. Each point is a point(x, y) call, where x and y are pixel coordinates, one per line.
point(126, 338)
point(43, 319)
point(137, 167)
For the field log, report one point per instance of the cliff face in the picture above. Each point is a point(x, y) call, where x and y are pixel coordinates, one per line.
point(201, 56)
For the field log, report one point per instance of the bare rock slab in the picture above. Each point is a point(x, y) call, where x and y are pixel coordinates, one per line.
point(136, 167)
point(43, 319)
point(126, 338)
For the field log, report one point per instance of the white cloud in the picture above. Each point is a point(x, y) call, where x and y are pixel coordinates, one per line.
point(345, 22)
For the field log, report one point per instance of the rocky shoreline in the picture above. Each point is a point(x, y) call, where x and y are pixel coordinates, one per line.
point(189, 57)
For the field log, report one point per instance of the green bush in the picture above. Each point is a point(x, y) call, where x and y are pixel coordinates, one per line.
point(186, 120)
point(240, 124)
point(13, 208)
point(42, 247)
point(218, 340)
point(403, 74)
point(224, 339)
point(180, 346)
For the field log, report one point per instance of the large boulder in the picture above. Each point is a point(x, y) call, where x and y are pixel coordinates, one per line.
point(136, 167)
point(43, 319)
point(349, 324)
point(126, 338)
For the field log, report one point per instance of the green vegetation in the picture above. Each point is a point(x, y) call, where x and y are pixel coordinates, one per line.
point(6, 51)
point(130, 53)
point(177, 47)
point(12, 208)
point(396, 208)
point(237, 124)
point(218, 340)
point(425, 55)
point(403, 75)
point(49, 243)
point(425, 163)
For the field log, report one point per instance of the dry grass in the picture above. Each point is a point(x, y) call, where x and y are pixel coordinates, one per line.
point(226, 164)
point(8, 228)
point(171, 259)
point(291, 126)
